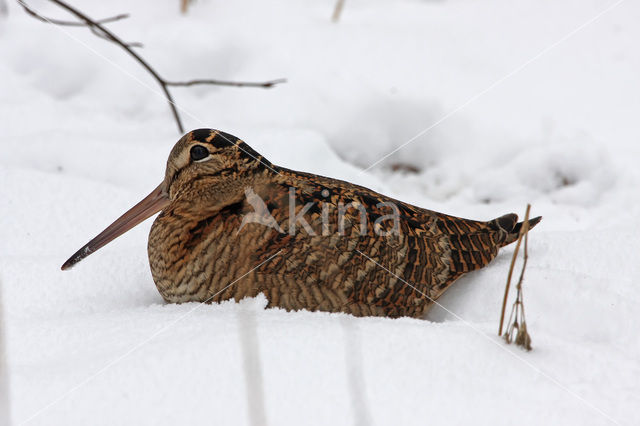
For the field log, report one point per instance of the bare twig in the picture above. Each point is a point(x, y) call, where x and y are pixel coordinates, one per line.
point(265, 84)
point(517, 321)
point(54, 21)
point(98, 29)
point(94, 30)
point(97, 33)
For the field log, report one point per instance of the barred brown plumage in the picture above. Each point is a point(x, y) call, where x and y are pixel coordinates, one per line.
point(202, 240)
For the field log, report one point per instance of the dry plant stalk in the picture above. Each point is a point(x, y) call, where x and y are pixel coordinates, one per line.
point(517, 328)
point(337, 11)
point(184, 5)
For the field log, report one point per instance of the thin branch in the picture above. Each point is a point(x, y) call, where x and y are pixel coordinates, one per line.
point(54, 21)
point(63, 23)
point(99, 30)
point(97, 33)
point(265, 84)
point(113, 38)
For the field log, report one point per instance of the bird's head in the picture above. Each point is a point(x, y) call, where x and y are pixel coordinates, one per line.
point(203, 163)
point(206, 157)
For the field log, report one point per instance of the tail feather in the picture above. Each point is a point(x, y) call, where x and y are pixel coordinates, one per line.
point(510, 225)
point(474, 244)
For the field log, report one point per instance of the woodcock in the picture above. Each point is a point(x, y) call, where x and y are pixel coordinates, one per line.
point(233, 225)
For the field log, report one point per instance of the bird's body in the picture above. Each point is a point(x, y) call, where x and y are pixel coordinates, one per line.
point(234, 225)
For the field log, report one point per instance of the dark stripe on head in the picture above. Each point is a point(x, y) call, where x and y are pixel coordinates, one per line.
point(201, 135)
point(222, 140)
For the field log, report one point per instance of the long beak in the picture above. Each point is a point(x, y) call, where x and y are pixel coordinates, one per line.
point(152, 204)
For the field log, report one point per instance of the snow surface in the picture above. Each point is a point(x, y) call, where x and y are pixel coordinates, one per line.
point(541, 103)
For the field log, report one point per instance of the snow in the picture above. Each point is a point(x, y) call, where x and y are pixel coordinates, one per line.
point(532, 101)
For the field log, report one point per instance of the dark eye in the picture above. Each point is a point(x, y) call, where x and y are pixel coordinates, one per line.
point(198, 152)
